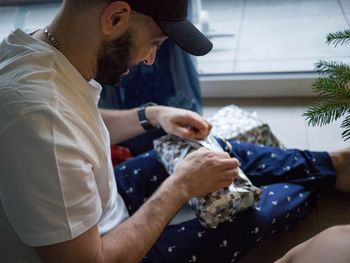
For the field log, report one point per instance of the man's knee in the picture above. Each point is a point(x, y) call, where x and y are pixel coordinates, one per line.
point(332, 242)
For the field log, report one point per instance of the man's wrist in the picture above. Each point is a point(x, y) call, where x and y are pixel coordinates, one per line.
point(144, 118)
point(180, 188)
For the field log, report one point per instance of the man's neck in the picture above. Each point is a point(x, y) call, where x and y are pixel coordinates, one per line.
point(78, 44)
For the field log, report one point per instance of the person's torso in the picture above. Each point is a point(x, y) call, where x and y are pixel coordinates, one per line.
point(34, 75)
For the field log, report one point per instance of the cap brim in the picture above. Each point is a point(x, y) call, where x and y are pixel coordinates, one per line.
point(187, 36)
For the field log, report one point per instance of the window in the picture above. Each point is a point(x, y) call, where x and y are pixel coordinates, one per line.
point(254, 36)
point(26, 14)
point(261, 48)
point(267, 48)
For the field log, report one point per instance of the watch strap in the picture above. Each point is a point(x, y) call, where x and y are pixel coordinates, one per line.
point(143, 121)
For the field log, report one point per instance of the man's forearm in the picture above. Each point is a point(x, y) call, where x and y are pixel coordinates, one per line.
point(128, 242)
point(131, 240)
point(121, 124)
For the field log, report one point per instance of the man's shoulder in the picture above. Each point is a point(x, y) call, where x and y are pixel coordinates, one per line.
point(28, 87)
point(26, 67)
point(25, 84)
point(25, 60)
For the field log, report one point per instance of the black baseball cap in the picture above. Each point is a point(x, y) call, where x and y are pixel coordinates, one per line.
point(171, 17)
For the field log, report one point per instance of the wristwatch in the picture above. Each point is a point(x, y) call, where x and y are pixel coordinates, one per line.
point(144, 122)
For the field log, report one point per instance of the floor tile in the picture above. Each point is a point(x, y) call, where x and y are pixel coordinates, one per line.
point(289, 38)
point(223, 10)
point(223, 50)
point(214, 67)
point(280, 35)
point(292, 9)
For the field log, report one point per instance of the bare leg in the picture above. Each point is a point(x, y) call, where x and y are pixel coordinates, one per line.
point(341, 163)
point(331, 245)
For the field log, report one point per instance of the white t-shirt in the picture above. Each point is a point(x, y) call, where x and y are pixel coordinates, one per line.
point(56, 175)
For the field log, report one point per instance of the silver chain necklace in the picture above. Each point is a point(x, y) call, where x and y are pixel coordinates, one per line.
point(53, 40)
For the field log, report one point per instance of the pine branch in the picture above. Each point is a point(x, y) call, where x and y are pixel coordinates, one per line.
point(334, 89)
point(346, 125)
point(333, 69)
point(331, 87)
point(338, 38)
point(335, 81)
point(327, 111)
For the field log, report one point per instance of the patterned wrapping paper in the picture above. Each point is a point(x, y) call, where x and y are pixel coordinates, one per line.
point(216, 207)
point(231, 122)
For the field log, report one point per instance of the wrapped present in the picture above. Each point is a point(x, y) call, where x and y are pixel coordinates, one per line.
point(231, 122)
point(216, 207)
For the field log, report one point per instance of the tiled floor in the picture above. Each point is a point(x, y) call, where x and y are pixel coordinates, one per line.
point(286, 121)
point(273, 35)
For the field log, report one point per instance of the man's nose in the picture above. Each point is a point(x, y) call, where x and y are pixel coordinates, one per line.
point(151, 56)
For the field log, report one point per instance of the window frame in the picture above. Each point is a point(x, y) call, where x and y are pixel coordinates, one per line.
point(258, 85)
point(26, 2)
point(235, 85)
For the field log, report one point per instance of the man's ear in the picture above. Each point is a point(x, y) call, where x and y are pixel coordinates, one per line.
point(115, 19)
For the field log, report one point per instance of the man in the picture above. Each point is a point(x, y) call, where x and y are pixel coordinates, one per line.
point(59, 200)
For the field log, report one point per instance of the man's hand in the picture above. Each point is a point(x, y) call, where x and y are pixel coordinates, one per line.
point(179, 122)
point(205, 171)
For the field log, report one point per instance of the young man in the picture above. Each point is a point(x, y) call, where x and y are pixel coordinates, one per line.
point(59, 199)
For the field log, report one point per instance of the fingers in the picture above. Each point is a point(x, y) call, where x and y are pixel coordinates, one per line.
point(228, 175)
point(202, 129)
point(185, 132)
point(183, 123)
point(197, 126)
point(227, 164)
point(223, 158)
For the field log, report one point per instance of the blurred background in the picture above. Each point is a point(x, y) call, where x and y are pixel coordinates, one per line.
point(263, 57)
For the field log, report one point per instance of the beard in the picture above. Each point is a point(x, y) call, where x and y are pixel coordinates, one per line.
point(113, 60)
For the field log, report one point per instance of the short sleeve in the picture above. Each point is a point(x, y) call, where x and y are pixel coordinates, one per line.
point(47, 184)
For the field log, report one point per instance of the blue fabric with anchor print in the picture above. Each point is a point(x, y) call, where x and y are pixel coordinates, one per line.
point(291, 181)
